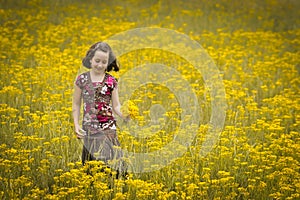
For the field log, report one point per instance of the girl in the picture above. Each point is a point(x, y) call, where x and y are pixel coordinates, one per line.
point(99, 91)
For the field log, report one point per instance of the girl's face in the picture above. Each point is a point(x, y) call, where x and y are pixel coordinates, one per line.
point(100, 61)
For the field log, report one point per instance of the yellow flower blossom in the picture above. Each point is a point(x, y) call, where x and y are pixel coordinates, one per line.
point(130, 109)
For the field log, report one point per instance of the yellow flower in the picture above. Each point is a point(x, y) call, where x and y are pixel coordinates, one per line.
point(119, 196)
point(130, 109)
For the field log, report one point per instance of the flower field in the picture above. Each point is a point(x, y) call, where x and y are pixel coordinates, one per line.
point(255, 46)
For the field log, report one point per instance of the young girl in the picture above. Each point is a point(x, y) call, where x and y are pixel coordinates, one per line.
point(99, 91)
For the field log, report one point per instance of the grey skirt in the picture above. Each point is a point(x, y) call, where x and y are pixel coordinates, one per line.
point(104, 146)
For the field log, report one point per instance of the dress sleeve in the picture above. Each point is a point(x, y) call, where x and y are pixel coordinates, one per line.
point(112, 82)
point(81, 80)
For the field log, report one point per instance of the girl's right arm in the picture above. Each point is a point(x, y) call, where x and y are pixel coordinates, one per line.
point(76, 111)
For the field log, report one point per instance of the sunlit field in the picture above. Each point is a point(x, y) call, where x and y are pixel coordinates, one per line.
point(256, 48)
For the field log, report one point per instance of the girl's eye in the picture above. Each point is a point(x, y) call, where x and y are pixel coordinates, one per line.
point(98, 61)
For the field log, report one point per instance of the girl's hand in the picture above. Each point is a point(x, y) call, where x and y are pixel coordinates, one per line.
point(80, 133)
point(126, 119)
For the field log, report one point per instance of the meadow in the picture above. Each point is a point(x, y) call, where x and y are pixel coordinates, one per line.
point(255, 47)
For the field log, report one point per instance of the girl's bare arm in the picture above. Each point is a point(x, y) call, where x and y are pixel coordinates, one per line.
point(116, 104)
point(76, 110)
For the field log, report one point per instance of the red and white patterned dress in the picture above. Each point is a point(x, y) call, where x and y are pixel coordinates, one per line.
point(98, 119)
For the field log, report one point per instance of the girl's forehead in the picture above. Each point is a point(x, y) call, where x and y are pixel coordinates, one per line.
point(101, 54)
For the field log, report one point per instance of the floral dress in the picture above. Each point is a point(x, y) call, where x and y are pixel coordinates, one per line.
point(101, 142)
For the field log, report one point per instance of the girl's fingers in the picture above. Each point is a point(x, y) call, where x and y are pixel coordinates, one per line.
point(80, 133)
point(79, 136)
point(127, 119)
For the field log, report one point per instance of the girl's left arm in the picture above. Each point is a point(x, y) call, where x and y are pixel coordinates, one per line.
point(116, 104)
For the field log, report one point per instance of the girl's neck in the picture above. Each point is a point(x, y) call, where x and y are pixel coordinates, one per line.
point(97, 77)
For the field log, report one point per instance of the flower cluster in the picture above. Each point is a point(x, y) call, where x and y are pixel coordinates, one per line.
point(130, 109)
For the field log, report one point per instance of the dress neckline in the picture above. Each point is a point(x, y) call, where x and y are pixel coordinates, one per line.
point(97, 82)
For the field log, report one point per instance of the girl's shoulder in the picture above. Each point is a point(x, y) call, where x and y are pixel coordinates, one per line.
point(82, 79)
point(83, 74)
point(111, 77)
point(111, 80)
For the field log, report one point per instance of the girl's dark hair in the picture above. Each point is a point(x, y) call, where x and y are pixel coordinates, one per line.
point(102, 46)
